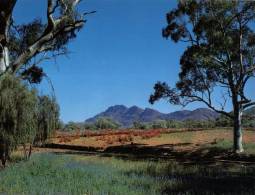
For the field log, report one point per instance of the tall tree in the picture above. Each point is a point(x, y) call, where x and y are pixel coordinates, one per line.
point(19, 44)
point(220, 54)
point(22, 48)
point(18, 106)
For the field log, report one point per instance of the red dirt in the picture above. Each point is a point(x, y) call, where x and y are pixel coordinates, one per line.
point(181, 139)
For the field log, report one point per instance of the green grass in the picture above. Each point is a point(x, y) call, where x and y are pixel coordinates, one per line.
point(76, 174)
point(249, 148)
point(66, 174)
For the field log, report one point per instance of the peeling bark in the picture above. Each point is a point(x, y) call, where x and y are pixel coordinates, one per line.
point(238, 137)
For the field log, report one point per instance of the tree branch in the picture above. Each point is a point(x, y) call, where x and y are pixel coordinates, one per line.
point(6, 8)
point(210, 106)
point(51, 32)
point(248, 105)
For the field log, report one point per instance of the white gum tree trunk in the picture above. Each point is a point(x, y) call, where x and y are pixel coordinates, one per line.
point(4, 59)
point(238, 137)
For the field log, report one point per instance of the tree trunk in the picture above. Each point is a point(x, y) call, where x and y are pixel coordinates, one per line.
point(6, 9)
point(238, 142)
point(30, 151)
point(25, 151)
point(4, 152)
point(4, 58)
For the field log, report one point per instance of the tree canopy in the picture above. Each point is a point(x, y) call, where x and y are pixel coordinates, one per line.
point(20, 43)
point(220, 53)
point(18, 107)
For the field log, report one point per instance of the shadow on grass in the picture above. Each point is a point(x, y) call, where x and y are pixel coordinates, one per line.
point(203, 180)
point(201, 171)
point(213, 185)
point(201, 156)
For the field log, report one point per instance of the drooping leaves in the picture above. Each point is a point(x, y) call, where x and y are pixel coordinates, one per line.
point(220, 49)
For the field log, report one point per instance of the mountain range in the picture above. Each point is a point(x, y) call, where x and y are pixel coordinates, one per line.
point(127, 116)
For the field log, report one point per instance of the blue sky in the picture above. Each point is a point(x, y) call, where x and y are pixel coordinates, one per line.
point(116, 59)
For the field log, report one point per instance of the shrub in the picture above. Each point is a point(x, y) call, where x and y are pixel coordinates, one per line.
point(90, 126)
point(173, 124)
point(73, 126)
point(139, 125)
point(159, 124)
point(106, 123)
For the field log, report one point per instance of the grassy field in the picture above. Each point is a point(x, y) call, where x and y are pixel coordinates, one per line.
point(136, 162)
point(77, 174)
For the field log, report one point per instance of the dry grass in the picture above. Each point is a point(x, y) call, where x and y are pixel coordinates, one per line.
point(178, 139)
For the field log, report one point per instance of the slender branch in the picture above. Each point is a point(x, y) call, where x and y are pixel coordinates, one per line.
point(248, 105)
point(210, 105)
point(241, 70)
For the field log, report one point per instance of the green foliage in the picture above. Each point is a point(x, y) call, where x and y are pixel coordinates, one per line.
point(66, 174)
point(219, 53)
point(25, 35)
point(60, 125)
point(198, 124)
point(18, 105)
point(168, 124)
point(79, 174)
point(47, 118)
point(52, 36)
point(140, 125)
point(25, 117)
point(106, 123)
point(247, 121)
point(250, 111)
point(214, 38)
point(159, 124)
point(191, 124)
point(73, 126)
point(99, 124)
point(224, 121)
point(249, 117)
point(173, 124)
point(90, 126)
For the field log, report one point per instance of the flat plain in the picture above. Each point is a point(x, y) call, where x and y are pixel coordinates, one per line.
point(193, 161)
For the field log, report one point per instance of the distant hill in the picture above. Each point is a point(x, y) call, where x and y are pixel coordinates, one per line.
point(250, 111)
point(126, 116)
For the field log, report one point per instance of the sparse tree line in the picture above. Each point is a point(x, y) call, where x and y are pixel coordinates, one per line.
point(26, 118)
point(107, 123)
point(100, 124)
point(222, 121)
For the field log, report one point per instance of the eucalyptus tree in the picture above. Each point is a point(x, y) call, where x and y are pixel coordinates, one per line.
point(37, 40)
point(220, 55)
point(22, 49)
